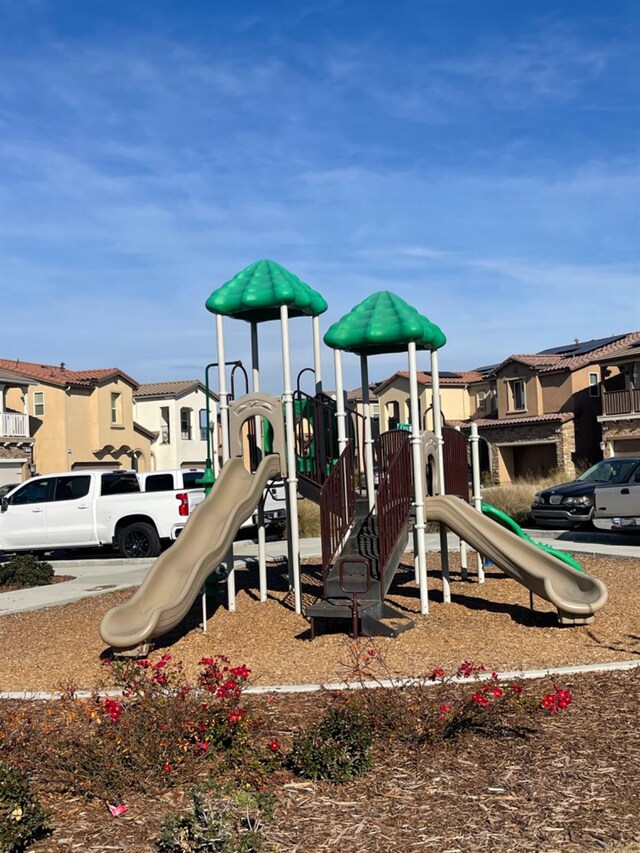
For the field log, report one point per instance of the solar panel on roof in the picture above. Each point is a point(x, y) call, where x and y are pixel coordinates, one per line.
point(581, 347)
point(486, 369)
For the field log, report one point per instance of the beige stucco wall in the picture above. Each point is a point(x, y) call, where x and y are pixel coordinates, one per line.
point(455, 402)
point(533, 392)
point(478, 411)
point(79, 421)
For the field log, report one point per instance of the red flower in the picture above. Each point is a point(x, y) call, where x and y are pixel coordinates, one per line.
point(167, 768)
point(517, 688)
point(467, 668)
point(443, 710)
point(236, 716)
point(274, 746)
point(480, 699)
point(437, 673)
point(498, 692)
point(371, 653)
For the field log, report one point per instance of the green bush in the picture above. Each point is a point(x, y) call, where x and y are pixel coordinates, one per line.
point(21, 816)
point(26, 570)
point(227, 826)
point(337, 748)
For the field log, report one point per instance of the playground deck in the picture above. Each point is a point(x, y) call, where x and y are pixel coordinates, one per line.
point(489, 623)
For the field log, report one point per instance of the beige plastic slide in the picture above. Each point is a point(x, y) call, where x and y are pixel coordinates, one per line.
point(175, 579)
point(577, 596)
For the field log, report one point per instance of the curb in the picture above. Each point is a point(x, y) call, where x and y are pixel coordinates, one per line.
point(530, 674)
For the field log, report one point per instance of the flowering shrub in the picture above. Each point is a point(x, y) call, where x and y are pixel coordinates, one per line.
point(336, 748)
point(21, 816)
point(156, 732)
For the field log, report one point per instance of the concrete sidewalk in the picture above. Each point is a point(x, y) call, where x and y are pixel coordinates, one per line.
point(97, 576)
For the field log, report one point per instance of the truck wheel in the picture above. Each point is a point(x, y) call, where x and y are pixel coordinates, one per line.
point(138, 540)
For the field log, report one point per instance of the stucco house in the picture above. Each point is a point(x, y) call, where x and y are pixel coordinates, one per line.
point(78, 418)
point(620, 418)
point(16, 442)
point(547, 409)
point(463, 394)
point(176, 413)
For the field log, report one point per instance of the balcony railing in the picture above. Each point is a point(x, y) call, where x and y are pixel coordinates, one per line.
point(14, 425)
point(621, 402)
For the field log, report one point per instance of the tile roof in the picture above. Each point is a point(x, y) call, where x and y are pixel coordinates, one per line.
point(169, 389)
point(551, 362)
point(10, 377)
point(356, 393)
point(563, 417)
point(61, 375)
point(626, 352)
point(451, 377)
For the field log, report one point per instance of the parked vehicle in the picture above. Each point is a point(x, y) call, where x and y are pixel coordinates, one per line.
point(571, 504)
point(618, 507)
point(84, 509)
point(187, 478)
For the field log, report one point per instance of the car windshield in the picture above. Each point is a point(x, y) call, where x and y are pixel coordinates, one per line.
point(609, 471)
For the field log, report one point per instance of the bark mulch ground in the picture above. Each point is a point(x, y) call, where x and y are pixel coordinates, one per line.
point(572, 783)
point(489, 623)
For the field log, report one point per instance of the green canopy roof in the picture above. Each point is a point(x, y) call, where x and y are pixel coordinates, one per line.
point(383, 323)
point(257, 293)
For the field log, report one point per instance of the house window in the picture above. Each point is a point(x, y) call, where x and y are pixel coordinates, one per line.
point(594, 385)
point(482, 400)
point(165, 430)
point(38, 404)
point(517, 400)
point(116, 413)
point(185, 424)
point(375, 410)
point(203, 424)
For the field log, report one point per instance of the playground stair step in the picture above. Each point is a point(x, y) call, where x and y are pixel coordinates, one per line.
point(377, 618)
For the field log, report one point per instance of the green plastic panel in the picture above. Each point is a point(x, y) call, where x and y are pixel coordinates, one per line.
point(257, 293)
point(383, 323)
point(506, 521)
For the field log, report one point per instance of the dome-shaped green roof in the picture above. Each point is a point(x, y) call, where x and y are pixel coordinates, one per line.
point(383, 323)
point(257, 293)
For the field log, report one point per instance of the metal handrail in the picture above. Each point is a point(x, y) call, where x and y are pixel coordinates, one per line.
point(337, 506)
point(394, 501)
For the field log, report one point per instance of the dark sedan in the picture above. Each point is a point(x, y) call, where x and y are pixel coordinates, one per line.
point(571, 504)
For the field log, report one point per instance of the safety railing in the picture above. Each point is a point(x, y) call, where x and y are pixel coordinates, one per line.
point(621, 402)
point(395, 494)
point(337, 506)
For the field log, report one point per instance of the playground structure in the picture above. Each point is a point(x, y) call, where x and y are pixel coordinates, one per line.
point(326, 452)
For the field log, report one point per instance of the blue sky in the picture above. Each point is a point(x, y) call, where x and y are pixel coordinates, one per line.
point(477, 157)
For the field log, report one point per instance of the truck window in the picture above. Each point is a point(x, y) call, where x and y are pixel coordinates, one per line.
point(71, 488)
point(189, 479)
point(159, 483)
point(119, 484)
point(35, 492)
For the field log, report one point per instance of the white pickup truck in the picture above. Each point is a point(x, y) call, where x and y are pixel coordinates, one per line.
point(84, 509)
point(618, 507)
point(274, 496)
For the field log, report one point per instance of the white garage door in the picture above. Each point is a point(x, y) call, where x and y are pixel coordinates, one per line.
point(11, 471)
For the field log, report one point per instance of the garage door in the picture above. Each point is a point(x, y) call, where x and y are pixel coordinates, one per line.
point(626, 447)
point(11, 471)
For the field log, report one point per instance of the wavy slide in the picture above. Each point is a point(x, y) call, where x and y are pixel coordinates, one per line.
point(165, 596)
point(576, 596)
